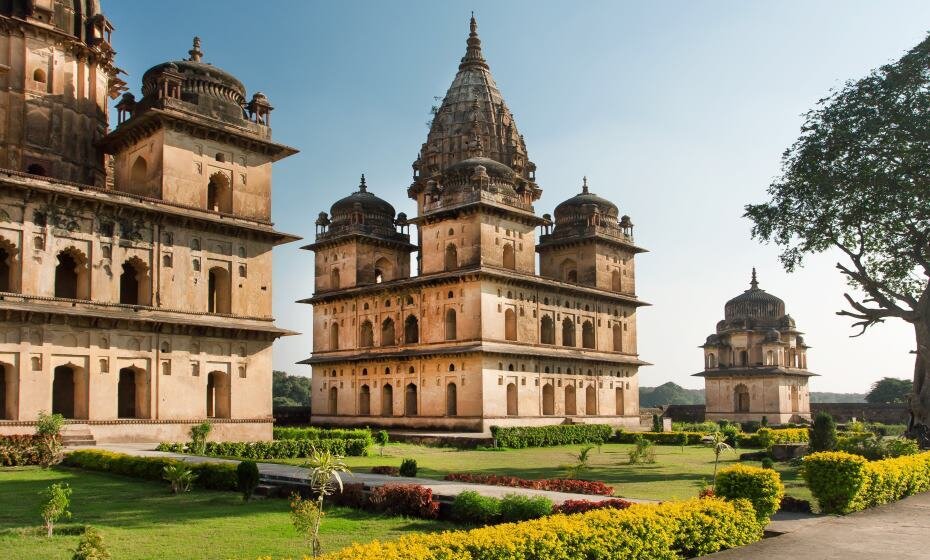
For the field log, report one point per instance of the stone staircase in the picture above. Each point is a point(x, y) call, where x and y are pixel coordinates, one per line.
point(77, 435)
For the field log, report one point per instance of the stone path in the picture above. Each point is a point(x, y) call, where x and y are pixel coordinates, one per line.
point(289, 473)
point(900, 530)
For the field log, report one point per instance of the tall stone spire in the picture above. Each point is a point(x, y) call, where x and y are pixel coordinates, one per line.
point(473, 56)
point(196, 53)
point(753, 284)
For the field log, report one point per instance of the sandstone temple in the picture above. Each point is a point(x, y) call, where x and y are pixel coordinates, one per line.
point(135, 264)
point(755, 365)
point(479, 336)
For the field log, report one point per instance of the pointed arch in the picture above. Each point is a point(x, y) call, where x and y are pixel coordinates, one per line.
point(452, 403)
point(509, 257)
point(547, 330)
point(9, 392)
point(139, 172)
point(569, 271)
point(617, 332)
point(387, 332)
point(366, 336)
point(571, 402)
point(334, 336)
point(548, 399)
point(219, 294)
point(333, 407)
point(134, 283)
point(410, 400)
point(590, 401)
point(133, 390)
point(619, 403)
point(741, 398)
point(364, 400)
point(451, 324)
point(334, 279)
point(8, 265)
point(512, 400)
point(587, 334)
point(219, 193)
point(218, 395)
point(510, 324)
point(387, 400)
point(72, 277)
point(451, 259)
point(384, 270)
point(568, 332)
point(411, 330)
point(615, 281)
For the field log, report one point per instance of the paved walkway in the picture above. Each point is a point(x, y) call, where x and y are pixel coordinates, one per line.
point(900, 530)
point(291, 473)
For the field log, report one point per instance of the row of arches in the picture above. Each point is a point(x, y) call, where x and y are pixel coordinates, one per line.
point(411, 400)
point(383, 272)
point(570, 401)
point(411, 332)
point(568, 334)
point(791, 358)
point(451, 257)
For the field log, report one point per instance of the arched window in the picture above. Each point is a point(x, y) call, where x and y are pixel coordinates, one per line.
point(452, 402)
point(743, 358)
point(548, 399)
point(590, 401)
point(568, 332)
point(132, 394)
point(410, 400)
point(9, 392)
point(512, 402)
point(366, 336)
point(510, 324)
point(615, 280)
point(711, 360)
point(387, 400)
point(618, 338)
point(452, 257)
point(139, 172)
point(387, 332)
point(334, 336)
point(741, 398)
point(451, 324)
point(571, 403)
point(333, 401)
point(769, 358)
point(570, 271)
point(509, 259)
point(411, 330)
point(364, 400)
point(587, 334)
point(133, 283)
point(219, 194)
point(792, 358)
point(7, 252)
point(218, 395)
point(384, 270)
point(71, 275)
point(218, 293)
point(547, 330)
point(619, 404)
point(334, 278)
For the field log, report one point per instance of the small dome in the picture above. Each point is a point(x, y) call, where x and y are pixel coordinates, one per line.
point(491, 167)
point(573, 208)
point(772, 335)
point(754, 303)
point(787, 322)
point(375, 210)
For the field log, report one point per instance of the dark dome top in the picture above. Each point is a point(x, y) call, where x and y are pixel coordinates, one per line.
point(573, 206)
point(754, 303)
point(193, 70)
point(491, 166)
point(372, 207)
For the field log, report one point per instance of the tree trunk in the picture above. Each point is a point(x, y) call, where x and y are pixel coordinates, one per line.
point(919, 423)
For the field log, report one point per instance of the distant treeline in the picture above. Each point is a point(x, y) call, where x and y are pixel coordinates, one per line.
point(672, 393)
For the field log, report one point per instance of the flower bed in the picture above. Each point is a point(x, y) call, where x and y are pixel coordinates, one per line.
point(547, 436)
point(278, 449)
point(554, 484)
point(762, 487)
point(405, 499)
point(581, 506)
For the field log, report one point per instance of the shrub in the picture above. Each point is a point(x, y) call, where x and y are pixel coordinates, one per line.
point(383, 439)
point(305, 516)
point(213, 476)
point(581, 506)
point(18, 451)
point(48, 440)
point(247, 475)
point(517, 507)
point(642, 452)
point(702, 427)
point(880, 429)
point(823, 433)
point(179, 477)
point(408, 468)
point(751, 426)
point(91, 546)
point(316, 434)
point(352, 495)
point(49, 425)
point(659, 438)
point(405, 499)
point(385, 469)
point(843, 482)
point(553, 484)
point(472, 508)
point(768, 463)
point(55, 504)
point(277, 449)
point(199, 434)
point(662, 531)
point(875, 447)
point(656, 423)
point(546, 436)
point(681, 440)
point(764, 438)
point(762, 487)
point(731, 434)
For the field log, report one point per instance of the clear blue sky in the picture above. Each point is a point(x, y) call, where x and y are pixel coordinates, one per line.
point(677, 111)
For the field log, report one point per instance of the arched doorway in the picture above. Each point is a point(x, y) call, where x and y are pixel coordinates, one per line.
point(218, 292)
point(590, 400)
point(71, 275)
point(509, 259)
point(512, 403)
point(364, 400)
point(218, 395)
point(568, 332)
point(451, 261)
point(411, 330)
point(547, 330)
point(387, 332)
point(510, 324)
point(366, 336)
point(384, 270)
point(333, 401)
point(219, 194)
point(69, 392)
point(452, 400)
point(132, 394)
point(548, 399)
point(741, 398)
point(387, 400)
point(334, 336)
point(571, 404)
point(619, 404)
point(9, 392)
point(451, 326)
point(410, 400)
point(618, 338)
point(587, 334)
point(138, 173)
point(132, 283)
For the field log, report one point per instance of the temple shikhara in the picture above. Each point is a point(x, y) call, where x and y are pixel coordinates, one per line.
point(478, 337)
point(755, 365)
point(135, 264)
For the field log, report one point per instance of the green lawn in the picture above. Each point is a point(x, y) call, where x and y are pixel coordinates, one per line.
point(674, 475)
point(140, 519)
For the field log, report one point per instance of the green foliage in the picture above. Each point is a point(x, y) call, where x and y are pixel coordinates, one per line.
point(91, 546)
point(198, 435)
point(48, 444)
point(248, 478)
point(719, 445)
point(29, 450)
point(762, 487)
point(383, 439)
point(290, 390)
point(764, 438)
point(472, 508)
point(765, 421)
point(517, 507)
point(731, 434)
point(659, 438)
point(697, 427)
point(49, 425)
point(179, 477)
point(656, 423)
point(545, 436)
point(318, 434)
point(873, 447)
point(643, 451)
point(827, 397)
point(213, 476)
point(408, 468)
point(56, 501)
point(886, 429)
point(890, 390)
point(823, 433)
point(768, 463)
point(681, 439)
point(277, 449)
point(664, 531)
point(326, 469)
point(305, 516)
point(669, 393)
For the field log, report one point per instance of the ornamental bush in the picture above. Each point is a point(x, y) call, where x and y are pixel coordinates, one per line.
point(644, 531)
point(659, 438)
point(248, 478)
point(843, 482)
point(472, 508)
point(385, 469)
point(764, 438)
point(581, 506)
point(412, 500)
point(517, 507)
point(277, 449)
point(554, 484)
point(762, 487)
point(408, 468)
point(16, 451)
point(547, 436)
point(213, 476)
point(316, 434)
point(823, 433)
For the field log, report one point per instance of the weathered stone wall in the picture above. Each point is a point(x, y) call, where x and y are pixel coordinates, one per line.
point(770, 396)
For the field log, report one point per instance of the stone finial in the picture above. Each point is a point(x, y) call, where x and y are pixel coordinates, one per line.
point(754, 284)
point(584, 185)
point(362, 187)
point(473, 56)
point(196, 53)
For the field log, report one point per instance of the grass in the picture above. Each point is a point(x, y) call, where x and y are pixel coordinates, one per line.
point(676, 474)
point(140, 519)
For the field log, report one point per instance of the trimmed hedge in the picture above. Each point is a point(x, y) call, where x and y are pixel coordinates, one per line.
point(547, 436)
point(843, 482)
point(762, 487)
point(766, 437)
point(659, 438)
point(570, 485)
point(213, 476)
point(644, 531)
point(317, 434)
point(277, 449)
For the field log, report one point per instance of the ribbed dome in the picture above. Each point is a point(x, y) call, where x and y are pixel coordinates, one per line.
point(754, 303)
point(373, 210)
point(574, 207)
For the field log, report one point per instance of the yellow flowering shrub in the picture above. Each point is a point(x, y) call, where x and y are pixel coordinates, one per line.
point(667, 531)
point(762, 487)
